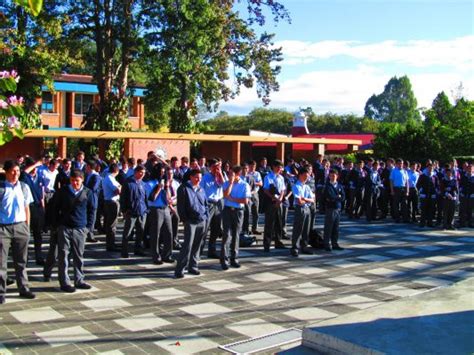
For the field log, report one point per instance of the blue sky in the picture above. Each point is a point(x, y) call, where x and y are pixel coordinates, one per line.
point(337, 53)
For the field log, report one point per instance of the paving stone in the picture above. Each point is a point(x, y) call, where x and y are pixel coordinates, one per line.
point(433, 281)
point(261, 298)
point(205, 310)
point(374, 258)
point(310, 314)
point(186, 344)
point(357, 301)
point(267, 277)
point(166, 294)
point(66, 336)
point(254, 327)
point(415, 265)
point(350, 280)
point(381, 271)
point(441, 259)
point(402, 252)
point(220, 285)
point(134, 282)
point(397, 290)
point(106, 304)
point(142, 322)
point(307, 270)
point(32, 315)
point(342, 263)
point(309, 288)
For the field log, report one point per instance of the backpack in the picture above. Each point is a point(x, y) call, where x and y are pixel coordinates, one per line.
point(315, 239)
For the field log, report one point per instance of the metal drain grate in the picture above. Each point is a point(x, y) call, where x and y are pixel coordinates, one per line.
point(263, 342)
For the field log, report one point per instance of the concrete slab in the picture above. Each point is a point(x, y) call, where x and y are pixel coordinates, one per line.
point(440, 321)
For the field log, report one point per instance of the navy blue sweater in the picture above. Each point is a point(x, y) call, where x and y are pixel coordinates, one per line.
point(74, 211)
point(192, 205)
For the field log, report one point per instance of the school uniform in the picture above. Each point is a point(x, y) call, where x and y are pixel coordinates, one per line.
point(14, 233)
point(466, 196)
point(413, 198)
point(334, 197)
point(232, 220)
point(428, 186)
point(275, 185)
point(373, 183)
point(110, 187)
point(302, 218)
point(450, 193)
point(399, 179)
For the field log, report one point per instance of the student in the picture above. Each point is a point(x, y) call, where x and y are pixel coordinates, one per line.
point(400, 191)
point(15, 199)
point(303, 199)
point(112, 189)
point(255, 199)
point(93, 182)
point(275, 190)
point(134, 207)
point(449, 191)
point(236, 196)
point(334, 197)
point(373, 183)
point(74, 208)
point(193, 211)
point(428, 186)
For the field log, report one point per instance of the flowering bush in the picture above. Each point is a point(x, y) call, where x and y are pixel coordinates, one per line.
point(11, 107)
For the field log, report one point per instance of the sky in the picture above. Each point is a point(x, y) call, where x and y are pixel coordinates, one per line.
point(337, 53)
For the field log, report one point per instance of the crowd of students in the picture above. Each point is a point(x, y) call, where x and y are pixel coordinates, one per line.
point(72, 199)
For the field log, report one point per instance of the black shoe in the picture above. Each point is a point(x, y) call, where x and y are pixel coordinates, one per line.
point(285, 237)
point(307, 251)
point(27, 294)
point(40, 262)
point(83, 286)
point(235, 264)
point(194, 272)
point(266, 249)
point(46, 278)
point(224, 266)
point(124, 256)
point(169, 260)
point(68, 289)
point(328, 249)
point(2, 299)
point(10, 281)
point(213, 255)
point(112, 249)
point(158, 262)
point(256, 232)
point(337, 247)
point(280, 246)
point(139, 253)
point(178, 275)
point(91, 239)
point(294, 252)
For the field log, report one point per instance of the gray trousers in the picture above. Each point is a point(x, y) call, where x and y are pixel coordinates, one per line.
point(130, 223)
point(214, 224)
point(449, 208)
point(191, 247)
point(17, 236)
point(466, 207)
point(52, 252)
point(301, 225)
point(160, 233)
point(273, 227)
point(331, 226)
point(400, 207)
point(232, 220)
point(111, 212)
point(255, 205)
point(37, 216)
point(71, 241)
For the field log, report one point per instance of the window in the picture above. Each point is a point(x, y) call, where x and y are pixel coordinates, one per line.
point(82, 103)
point(131, 111)
point(47, 103)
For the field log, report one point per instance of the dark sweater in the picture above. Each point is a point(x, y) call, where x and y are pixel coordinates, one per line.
point(74, 211)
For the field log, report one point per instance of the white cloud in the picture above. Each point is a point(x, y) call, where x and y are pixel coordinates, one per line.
point(346, 91)
point(416, 53)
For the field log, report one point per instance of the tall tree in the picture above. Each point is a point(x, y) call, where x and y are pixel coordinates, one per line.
point(202, 51)
point(33, 47)
point(397, 103)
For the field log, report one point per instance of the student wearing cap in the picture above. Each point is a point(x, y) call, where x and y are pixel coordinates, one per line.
point(15, 200)
point(236, 196)
point(334, 197)
point(303, 199)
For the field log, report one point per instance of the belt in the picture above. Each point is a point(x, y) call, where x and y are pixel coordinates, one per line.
point(10, 224)
point(233, 208)
point(159, 208)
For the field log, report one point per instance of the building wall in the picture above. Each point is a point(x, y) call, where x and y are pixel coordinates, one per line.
point(27, 146)
point(138, 148)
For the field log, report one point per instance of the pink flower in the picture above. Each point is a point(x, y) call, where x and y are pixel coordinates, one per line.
point(15, 101)
point(12, 74)
point(13, 122)
point(3, 104)
point(4, 74)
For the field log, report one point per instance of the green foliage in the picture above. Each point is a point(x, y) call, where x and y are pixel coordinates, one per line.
point(33, 6)
point(447, 131)
point(397, 103)
point(193, 45)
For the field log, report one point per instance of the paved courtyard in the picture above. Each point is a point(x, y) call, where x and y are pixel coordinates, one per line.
point(136, 307)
